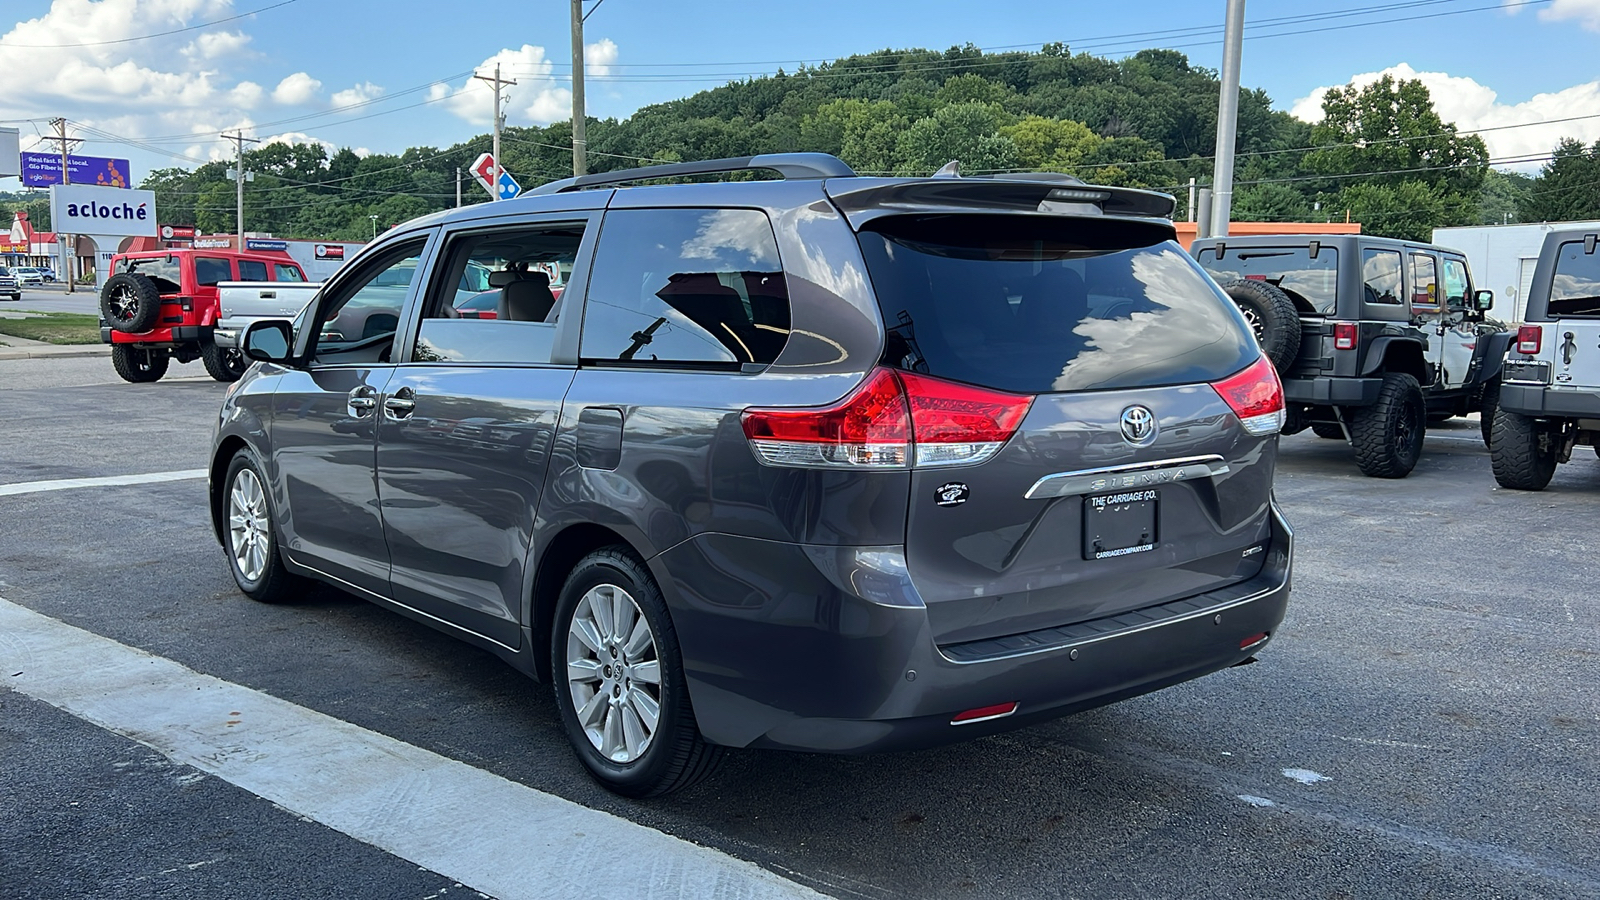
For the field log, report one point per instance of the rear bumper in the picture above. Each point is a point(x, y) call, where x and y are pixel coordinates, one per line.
point(1324, 391)
point(169, 337)
point(1538, 400)
point(784, 655)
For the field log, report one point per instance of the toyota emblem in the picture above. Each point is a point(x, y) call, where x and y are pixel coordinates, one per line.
point(1139, 426)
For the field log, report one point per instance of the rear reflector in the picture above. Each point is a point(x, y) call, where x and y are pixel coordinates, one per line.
point(1256, 397)
point(984, 713)
point(1344, 336)
point(1253, 640)
point(892, 420)
point(1530, 338)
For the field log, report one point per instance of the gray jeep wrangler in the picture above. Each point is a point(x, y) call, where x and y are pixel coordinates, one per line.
point(1551, 399)
point(1373, 337)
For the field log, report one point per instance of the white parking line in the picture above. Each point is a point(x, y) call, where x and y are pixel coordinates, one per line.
point(68, 484)
point(486, 832)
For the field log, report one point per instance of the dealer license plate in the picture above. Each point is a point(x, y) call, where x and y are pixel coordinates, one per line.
point(1119, 524)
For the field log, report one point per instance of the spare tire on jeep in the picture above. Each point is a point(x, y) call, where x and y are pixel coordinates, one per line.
point(1272, 317)
point(130, 302)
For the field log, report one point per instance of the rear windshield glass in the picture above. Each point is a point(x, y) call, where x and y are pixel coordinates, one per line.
point(1037, 305)
point(1575, 292)
point(163, 270)
point(1290, 268)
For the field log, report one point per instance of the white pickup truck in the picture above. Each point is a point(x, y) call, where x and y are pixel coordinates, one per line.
point(243, 302)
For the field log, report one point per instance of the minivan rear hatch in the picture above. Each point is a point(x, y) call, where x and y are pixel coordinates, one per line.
point(1131, 480)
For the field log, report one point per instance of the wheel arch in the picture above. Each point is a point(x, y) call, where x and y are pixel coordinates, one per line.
point(1398, 355)
point(557, 560)
point(220, 460)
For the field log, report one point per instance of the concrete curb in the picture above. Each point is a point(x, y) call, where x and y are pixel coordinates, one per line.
point(71, 351)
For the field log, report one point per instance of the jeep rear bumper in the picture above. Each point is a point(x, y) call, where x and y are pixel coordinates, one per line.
point(1324, 391)
point(171, 337)
point(1538, 400)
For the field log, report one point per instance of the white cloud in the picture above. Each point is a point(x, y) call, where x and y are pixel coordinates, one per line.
point(1470, 106)
point(217, 45)
point(246, 94)
point(537, 97)
point(1585, 11)
point(296, 89)
point(359, 93)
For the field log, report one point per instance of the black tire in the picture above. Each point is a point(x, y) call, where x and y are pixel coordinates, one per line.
point(130, 302)
point(1329, 430)
point(676, 756)
point(1388, 434)
point(1522, 452)
point(273, 583)
point(1272, 317)
point(223, 365)
point(137, 364)
point(1487, 409)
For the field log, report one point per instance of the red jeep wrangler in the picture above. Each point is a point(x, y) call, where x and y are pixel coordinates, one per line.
point(163, 304)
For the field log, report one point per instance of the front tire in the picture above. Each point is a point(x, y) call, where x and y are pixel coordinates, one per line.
point(249, 538)
point(1523, 453)
point(619, 680)
point(223, 365)
point(137, 365)
point(1388, 434)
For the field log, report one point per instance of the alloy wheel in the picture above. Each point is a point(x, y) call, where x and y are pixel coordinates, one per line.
point(614, 673)
point(248, 535)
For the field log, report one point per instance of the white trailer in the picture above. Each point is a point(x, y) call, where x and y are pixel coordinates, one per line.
point(1502, 258)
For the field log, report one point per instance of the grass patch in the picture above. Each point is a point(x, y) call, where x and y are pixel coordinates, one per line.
point(54, 328)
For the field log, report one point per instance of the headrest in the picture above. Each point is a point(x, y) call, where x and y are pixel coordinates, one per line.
point(506, 276)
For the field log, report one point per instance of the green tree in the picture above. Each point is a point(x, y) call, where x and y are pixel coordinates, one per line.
point(1568, 187)
point(966, 132)
point(1059, 145)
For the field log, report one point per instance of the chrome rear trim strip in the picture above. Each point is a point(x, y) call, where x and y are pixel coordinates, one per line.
point(1136, 475)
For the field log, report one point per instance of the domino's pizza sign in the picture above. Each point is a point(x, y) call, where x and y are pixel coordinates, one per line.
point(91, 209)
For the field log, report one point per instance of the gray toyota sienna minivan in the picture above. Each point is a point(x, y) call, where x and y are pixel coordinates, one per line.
point(823, 462)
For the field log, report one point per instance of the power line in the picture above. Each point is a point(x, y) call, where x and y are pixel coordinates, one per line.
point(146, 37)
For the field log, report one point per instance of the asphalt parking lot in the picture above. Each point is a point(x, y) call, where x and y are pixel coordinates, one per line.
point(1424, 725)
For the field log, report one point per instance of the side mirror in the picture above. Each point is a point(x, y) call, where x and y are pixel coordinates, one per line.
point(1483, 300)
point(268, 341)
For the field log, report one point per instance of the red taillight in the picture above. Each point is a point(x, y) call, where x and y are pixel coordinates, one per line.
point(1252, 640)
point(1255, 396)
point(893, 420)
point(984, 713)
point(1530, 338)
point(1344, 336)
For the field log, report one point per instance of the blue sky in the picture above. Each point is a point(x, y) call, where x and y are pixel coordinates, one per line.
point(286, 70)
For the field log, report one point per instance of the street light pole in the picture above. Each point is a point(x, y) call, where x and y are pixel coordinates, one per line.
point(1227, 119)
point(374, 218)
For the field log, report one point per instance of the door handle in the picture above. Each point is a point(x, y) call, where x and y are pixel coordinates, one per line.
point(401, 405)
point(362, 401)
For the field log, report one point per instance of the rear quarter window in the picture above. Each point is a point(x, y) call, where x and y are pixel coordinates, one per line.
point(1575, 292)
point(1039, 304)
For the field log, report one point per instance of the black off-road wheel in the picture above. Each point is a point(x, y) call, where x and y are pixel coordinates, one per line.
point(1272, 317)
point(137, 364)
point(249, 536)
point(619, 680)
point(1328, 430)
point(130, 302)
point(223, 365)
point(1522, 451)
point(1487, 407)
point(1388, 434)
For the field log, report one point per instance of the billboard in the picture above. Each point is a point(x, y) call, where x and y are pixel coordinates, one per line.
point(259, 244)
point(177, 232)
point(44, 169)
point(91, 209)
point(330, 251)
point(10, 158)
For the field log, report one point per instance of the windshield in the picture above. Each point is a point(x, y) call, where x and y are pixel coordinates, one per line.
point(1040, 304)
point(1575, 293)
point(1292, 269)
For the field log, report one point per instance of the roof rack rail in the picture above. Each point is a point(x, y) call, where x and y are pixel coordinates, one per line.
point(789, 165)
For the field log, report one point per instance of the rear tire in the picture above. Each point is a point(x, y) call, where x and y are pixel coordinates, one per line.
point(1272, 317)
point(223, 365)
point(1388, 434)
point(1487, 410)
point(130, 302)
point(1523, 453)
point(1329, 430)
point(249, 536)
point(137, 365)
point(614, 691)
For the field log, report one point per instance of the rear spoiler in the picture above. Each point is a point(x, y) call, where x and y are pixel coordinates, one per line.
point(864, 199)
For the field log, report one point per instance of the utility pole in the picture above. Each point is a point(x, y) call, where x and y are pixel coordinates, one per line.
point(458, 187)
point(499, 120)
point(580, 124)
point(64, 241)
point(239, 139)
point(1227, 119)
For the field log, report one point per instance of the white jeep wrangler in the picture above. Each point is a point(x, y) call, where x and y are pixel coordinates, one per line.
point(1550, 390)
